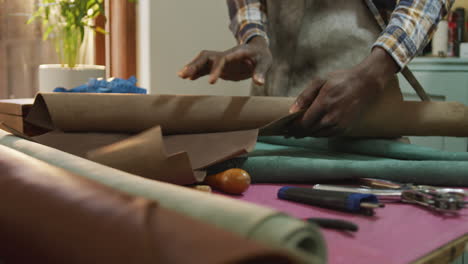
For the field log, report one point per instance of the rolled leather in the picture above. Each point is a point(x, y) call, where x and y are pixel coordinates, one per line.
point(48, 215)
point(248, 220)
point(279, 160)
point(383, 148)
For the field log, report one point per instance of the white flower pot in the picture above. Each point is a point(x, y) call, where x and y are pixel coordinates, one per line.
point(52, 76)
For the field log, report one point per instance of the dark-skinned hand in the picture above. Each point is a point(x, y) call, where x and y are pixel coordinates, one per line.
point(332, 105)
point(251, 60)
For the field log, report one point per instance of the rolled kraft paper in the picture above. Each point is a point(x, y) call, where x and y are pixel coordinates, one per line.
point(179, 114)
point(174, 113)
point(414, 119)
point(286, 164)
point(48, 215)
point(246, 219)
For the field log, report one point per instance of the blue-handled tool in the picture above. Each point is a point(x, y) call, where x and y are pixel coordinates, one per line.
point(343, 201)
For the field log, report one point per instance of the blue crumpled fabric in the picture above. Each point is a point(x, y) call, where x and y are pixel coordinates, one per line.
point(117, 85)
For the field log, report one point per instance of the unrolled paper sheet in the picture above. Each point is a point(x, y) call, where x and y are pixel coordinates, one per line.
point(175, 159)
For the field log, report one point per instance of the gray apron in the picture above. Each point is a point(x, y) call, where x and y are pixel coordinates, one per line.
point(310, 38)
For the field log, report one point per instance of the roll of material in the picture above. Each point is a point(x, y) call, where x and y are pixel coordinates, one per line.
point(408, 118)
point(248, 220)
point(440, 40)
point(370, 147)
point(176, 114)
point(294, 162)
point(48, 215)
point(389, 116)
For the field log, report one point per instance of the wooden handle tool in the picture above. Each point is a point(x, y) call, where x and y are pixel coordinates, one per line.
point(232, 181)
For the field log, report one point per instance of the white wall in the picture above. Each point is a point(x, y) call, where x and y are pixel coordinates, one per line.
point(171, 33)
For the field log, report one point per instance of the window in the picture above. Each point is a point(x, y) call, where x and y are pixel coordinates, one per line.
point(21, 50)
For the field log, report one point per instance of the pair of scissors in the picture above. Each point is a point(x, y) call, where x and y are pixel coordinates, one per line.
point(442, 200)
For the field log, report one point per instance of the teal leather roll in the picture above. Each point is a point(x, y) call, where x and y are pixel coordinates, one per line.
point(370, 147)
point(317, 160)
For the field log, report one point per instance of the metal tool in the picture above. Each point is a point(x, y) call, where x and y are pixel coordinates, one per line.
point(438, 200)
point(415, 84)
point(343, 201)
point(336, 224)
point(443, 200)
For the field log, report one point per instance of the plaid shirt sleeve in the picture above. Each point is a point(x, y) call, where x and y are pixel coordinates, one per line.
point(248, 19)
point(410, 27)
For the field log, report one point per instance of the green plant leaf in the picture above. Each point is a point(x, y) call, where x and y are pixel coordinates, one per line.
point(68, 20)
point(101, 30)
point(47, 32)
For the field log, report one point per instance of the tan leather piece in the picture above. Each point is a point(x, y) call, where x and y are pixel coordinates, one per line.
point(48, 215)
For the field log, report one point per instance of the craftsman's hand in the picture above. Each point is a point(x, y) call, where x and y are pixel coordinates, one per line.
point(251, 60)
point(333, 104)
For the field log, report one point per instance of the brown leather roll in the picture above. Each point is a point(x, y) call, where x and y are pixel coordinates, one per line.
point(48, 215)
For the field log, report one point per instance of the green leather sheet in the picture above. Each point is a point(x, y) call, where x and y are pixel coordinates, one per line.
point(255, 222)
point(311, 160)
point(370, 147)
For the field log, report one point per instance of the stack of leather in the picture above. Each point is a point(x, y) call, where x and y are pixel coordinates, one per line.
point(264, 225)
point(48, 215)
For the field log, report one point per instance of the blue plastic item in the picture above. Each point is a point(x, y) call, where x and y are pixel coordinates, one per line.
point(117, 85)
point(350, 202)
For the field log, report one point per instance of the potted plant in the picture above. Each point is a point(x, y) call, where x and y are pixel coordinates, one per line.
point(65, 22)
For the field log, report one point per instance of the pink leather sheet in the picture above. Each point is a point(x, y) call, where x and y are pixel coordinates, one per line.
point(398, 233)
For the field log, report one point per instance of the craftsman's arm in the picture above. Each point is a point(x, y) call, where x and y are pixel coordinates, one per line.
point(410, 28)
point(248, 19)
point(333, 105)
point(251, 58)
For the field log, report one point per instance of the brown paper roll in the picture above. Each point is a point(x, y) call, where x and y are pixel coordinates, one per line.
point(414, 119)
point(178, 114)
